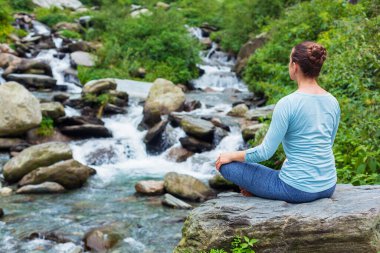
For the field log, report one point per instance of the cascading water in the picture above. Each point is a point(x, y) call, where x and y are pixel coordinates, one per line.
point(109, 196)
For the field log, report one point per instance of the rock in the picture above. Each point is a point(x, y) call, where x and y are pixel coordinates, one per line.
point(260, 112)
point(138, 13)
point(150, 119)
point(33, 80)
point(219, 134)
point(34, 157)
point(71, 4)
point(195, 145)
point(53, 110)
point(238, 111)
point(61, 97)
point(67, 26)
point(330, 223)
point(8, 143)
point(186, 186)
point(78, 46)
point(19, 109)
point(150, 187)
point(155, 132)
point(86, 131)
point(198, 128)
point(82, 58)
point(1, 212)
point(101, 239)
point(206, 43)
point(247, 50)
point(47, 187)
point(218, 123)
point(5, 48)
point(99, 86)
point(192, 105)
point(171, 201)
point(163, 5)
point(179, 154)
point(220, 183)
point(6, 191)
point(165, 97)
point(71, 174)
point(13, 64)
point(78, 120)
point(249, 132)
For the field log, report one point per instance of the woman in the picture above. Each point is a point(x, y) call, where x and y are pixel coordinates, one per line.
point(306, 122)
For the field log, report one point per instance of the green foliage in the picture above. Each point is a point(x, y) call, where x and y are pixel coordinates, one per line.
point(239, 245)
point(351, 73)
point(21, 5)
point(5, 20)
point(54, 15)
point(70, 34)
point(150, 41)
point(46, 127)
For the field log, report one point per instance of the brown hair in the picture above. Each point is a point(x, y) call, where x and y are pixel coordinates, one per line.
point(310, 56)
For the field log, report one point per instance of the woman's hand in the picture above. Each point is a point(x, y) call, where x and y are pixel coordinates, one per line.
point(228, 157)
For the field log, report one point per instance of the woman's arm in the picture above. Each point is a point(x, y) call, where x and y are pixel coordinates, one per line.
point(276, 132)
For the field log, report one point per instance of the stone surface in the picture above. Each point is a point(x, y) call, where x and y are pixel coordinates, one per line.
point(186, 186)
point(99, 86)
point(238, 111)
point(165, 97)
point(248, 132)
point(155, 132)
point(34, 157)
point(71, 4)
point(347, 222)
point(8, 143)
point(179, 154)
point(83, 58)
point(220, 183)
point(260, 112)
point(1, 212)
point(195, 145)
point(150, 187)
point(173, 202)
point(101, 239)
point(33, 80)
point(71, 174)
point(5, 191)
point(53, 110)
point(19, 109)
point(47, 187)
point(198, 128)
point(86, 131)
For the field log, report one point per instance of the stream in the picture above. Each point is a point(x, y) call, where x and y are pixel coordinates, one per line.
point(109, 197)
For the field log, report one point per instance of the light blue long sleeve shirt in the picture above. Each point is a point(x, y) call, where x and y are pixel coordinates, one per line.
point(306, 124)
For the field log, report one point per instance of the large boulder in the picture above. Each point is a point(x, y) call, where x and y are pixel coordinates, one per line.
point(71, 4)
point(99, 86)
point(19, 109)
point(186, 186)
point(165, 97)
point(195, 145)
point(347, 222)
point(198, 128)
point(53, 110)
point(71, 174)
point(35, 81)
point(238, 110)
point(34, 157)
point(179, 154)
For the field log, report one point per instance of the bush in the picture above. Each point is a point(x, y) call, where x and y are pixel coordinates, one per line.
point(351, 73)
point(46, 127)
point(21, 5)
point(5, 20)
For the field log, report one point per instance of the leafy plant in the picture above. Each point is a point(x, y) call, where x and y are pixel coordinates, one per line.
point(243, 245)
point(46, 127)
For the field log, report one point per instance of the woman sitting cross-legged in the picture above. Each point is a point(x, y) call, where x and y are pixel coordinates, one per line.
point(306, 122)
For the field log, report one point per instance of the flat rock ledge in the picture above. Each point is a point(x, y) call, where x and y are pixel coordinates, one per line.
point(349, 221)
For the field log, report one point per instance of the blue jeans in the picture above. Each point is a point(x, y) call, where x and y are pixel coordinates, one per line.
point(264, 182)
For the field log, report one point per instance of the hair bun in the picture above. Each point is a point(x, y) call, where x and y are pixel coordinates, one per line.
point(317, 53)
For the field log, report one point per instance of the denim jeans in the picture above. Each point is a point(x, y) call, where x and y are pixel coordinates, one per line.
point(264, 182)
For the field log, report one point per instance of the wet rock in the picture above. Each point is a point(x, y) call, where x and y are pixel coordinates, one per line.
point(173, 202)
point(175, 118)
point(78, 120)
point(101, 239)
point(150, 119)
point(61, 97)
point(13, 64)
point(218, 123)
point(50, 236)
point(165, 97)
point(192, 105)
point(99, 86)
point(260, 112)
point(5, 191)
point(33, 80)
point(82, 58)
point(155, 133)
point(247, 50)
point(198, 128)
point(329, 223)
point(106, 155)
point(34, 137)
point(71, 4)
point(238, 111)
point(219, 134)
point(1, 212)
point(218, 182)
point(34, 157)
point(111, 109)
point(150, 187)
point(195, 145)
point(47, 187)
point(19, 109)
point(186, 186)
point(249, 132)
point(86, 131)
point(8, 143)
point(71, 174)
point(53, 110)
point(179, 154)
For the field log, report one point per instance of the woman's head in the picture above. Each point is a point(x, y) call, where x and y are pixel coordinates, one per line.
point(307, 57)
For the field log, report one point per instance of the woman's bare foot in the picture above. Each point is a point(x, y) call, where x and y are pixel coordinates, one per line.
point(245, 192)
